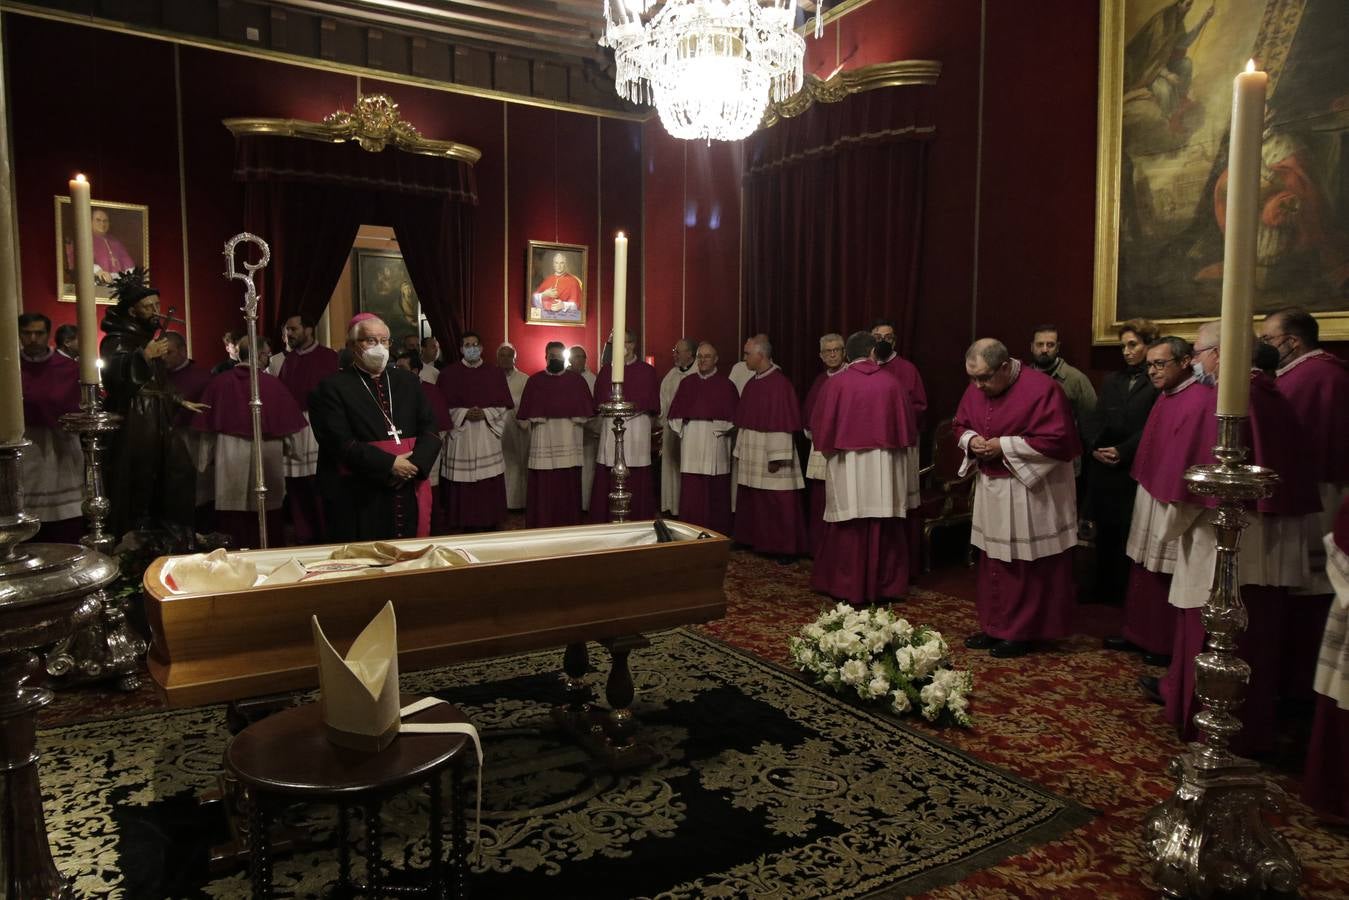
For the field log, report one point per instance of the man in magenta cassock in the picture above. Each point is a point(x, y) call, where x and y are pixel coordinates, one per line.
point(702, 414)
point(641, 387)
point(768, 514)
point(833, 354)
point(1317, 385)
point(862, 424)
point(53, 467)
point(473, 470)
point(227, 424)
point(1175, 432)
point(554, 408)
point(1273, 560)
point(1016, 427)
point(306, 364)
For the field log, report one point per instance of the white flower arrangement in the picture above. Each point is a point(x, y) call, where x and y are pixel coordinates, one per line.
point(878, 656)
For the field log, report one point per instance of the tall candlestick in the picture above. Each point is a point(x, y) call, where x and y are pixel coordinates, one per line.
point(86, 307)
point(620, 342)
point(1243, 220)
point(11, 381)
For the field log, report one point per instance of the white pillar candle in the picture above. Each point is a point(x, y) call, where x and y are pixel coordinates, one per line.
point(620, 345)
point(11, 379)
point(86, 306)
point(1243, 221)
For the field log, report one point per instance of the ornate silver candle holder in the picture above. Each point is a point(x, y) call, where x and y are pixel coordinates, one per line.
point(620, 410)
point(1210, 837)
point(106, 647)
point(45, 590)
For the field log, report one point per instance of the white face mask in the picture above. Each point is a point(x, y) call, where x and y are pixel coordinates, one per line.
point(375, 358)
point(1199, 373)
point(471, 354)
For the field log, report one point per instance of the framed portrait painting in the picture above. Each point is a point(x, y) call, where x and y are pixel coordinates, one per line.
point(555, 292)
point(381, 285)
point(121, 242)
point(1165, 107)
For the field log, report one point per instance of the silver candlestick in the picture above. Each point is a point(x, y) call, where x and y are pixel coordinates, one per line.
point(106, 647)
point(620, 410)
point(1210, 837)
point(44, 592)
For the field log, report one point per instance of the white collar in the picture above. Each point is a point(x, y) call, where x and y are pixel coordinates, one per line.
point(468, 365)
point(767, 372)
point(1182, 386)
point(1297, 362)
point(303, 351)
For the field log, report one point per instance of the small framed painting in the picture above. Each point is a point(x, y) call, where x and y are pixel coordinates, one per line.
point(121, 242)
point(382, 286)
point(555, 292)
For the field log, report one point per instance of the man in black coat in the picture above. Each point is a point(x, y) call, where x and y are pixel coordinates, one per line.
point(1112, 433)
point(377, 442)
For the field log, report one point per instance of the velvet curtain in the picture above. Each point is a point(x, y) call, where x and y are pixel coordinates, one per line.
point(833, 223)
point(308, 199)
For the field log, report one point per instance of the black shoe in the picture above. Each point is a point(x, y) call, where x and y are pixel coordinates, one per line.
point(980, 641)
point(1010, 649)
point(1117, 642)
point(1151, 686)
point(1157, 659)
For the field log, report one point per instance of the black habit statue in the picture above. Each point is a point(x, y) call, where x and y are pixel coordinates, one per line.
point(350, 412)
point(152, 479)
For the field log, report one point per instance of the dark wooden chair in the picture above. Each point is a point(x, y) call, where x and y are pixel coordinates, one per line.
point(946, 497)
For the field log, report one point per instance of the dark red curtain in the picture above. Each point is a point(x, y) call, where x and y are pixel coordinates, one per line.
point(308, 199)
point(833, 222)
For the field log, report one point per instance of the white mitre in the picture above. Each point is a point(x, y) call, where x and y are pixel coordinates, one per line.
point(359, 694)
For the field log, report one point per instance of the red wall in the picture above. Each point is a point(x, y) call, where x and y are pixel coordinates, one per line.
point(544, 175)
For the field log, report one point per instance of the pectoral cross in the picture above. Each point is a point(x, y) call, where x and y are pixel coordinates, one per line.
point(395, 434)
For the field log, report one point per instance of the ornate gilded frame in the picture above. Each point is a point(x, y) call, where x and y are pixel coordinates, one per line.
point(101, 291)
point(543, 250)
point(853, 81)
point(1109, 112)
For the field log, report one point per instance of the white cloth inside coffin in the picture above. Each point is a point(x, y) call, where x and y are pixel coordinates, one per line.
point(293, 564)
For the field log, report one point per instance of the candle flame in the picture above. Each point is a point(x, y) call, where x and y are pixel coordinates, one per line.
point(99, 363)
point(1250, 65)
point(621, 235)
point(80, 177)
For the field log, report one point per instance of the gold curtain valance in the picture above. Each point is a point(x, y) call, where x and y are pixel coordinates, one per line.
point(843, 84)
point(374, 124)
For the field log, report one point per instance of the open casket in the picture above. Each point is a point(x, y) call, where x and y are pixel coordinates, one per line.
point(523, 590)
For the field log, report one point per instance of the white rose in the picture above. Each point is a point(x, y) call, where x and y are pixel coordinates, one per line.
point(904, 658)
point(878, 686)
point(854, 671)
point(901, 630)
point(814, 632)
point(899, 702)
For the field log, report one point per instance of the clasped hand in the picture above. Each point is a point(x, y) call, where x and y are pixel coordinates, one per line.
point(986, 448)
point(403, 467)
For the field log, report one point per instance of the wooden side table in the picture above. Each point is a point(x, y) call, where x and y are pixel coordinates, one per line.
point(287, 758)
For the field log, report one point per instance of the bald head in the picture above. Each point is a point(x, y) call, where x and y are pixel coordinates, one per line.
point(991, 351)
point(989, 366)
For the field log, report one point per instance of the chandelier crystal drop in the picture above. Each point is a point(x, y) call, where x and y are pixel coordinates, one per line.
point(710, 67)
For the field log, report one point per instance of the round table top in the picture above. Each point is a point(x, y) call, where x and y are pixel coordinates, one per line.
point(289, 753)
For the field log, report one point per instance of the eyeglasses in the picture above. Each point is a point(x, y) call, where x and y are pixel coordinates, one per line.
point(832, 350)
point(1158, 364)
point(1199, 350)
point(373, 341)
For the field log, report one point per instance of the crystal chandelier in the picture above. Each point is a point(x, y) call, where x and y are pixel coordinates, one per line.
point(710, 67)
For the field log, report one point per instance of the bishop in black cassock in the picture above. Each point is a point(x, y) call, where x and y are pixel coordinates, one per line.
point(366, 418)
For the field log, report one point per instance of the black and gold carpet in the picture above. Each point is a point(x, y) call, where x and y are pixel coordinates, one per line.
point(765, 787)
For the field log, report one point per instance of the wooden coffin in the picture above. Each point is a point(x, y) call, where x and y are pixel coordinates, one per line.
point(533, 589)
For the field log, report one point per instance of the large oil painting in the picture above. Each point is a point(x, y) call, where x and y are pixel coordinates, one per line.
point(1165, 107)
point(382, 286)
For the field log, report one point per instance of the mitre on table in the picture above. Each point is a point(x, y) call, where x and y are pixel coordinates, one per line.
point(359, 693)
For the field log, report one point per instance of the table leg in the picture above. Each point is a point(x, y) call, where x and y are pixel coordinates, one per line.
point(260, 845)
point(575, 665)
point(619, 689)
point(374, 875)
point(458, 829)
point(436, 866)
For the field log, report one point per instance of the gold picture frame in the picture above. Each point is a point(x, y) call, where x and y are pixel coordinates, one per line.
point(125, 239)
point(568, 306)
point(1158, 251)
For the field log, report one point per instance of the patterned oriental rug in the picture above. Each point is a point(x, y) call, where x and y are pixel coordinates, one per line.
point(764, 786)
